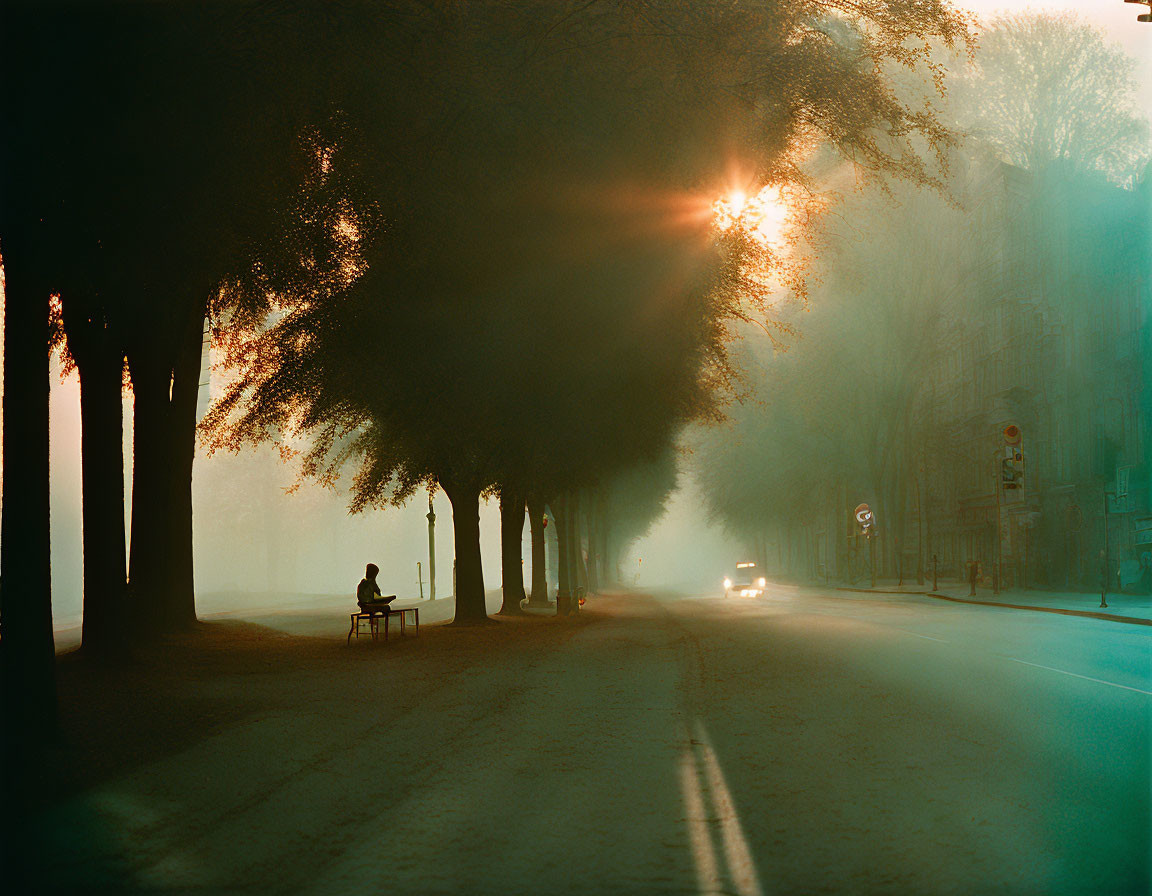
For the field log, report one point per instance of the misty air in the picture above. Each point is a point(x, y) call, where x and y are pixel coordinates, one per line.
point(550, 446)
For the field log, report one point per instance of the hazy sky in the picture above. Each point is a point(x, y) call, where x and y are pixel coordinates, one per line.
point(684, 547)
point(1115, 17)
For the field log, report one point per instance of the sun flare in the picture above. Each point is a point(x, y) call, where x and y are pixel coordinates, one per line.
point(764, 216)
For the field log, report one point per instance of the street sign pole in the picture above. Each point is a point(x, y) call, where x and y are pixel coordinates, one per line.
point(866, 520)
point(1104, 558)
point(996, 555)
point(1008, 473)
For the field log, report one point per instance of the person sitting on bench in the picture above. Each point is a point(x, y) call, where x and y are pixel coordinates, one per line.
point(368, 592)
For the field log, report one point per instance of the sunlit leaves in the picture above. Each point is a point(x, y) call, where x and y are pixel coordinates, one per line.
point(501, 326)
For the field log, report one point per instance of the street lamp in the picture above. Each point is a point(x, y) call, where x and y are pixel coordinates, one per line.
point(432, 552)
point(1144, 17)
point(1104, 570)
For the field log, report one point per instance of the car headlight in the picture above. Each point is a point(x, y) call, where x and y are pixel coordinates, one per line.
point(727, 584)
point(761, 582)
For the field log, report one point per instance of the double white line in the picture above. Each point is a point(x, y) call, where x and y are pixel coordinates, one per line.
point(712, 819)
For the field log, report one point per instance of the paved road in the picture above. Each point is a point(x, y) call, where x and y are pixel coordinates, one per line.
point(803, 742)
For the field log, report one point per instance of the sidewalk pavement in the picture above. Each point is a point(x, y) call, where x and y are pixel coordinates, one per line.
point(289, 612)
point(1132, 608)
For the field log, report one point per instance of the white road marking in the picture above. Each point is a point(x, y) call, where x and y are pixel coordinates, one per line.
point(707, 874)
point(925, 637)
point(1085, 677)
point(710, 810)
point(741, 867)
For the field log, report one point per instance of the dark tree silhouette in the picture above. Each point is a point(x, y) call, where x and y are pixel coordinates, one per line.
point(539, 595)
point(27, 645)
point(26, 649)
point(163, 183)
point(563, 310)
point(624, 507)
point(512, 509)
point(95, 347)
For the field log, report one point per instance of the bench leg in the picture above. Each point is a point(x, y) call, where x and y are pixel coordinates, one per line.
point(352, 628)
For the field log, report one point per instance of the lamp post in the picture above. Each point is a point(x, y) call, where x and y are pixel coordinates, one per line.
point(1104, 555)
point(999, 531)
point(432, 551)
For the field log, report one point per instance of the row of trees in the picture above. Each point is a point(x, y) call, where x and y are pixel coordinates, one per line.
point(457, 245)
point(844, 415)
point(566, 328)
point(840, 405)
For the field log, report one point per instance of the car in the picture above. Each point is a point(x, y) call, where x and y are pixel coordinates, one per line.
point(744, 582)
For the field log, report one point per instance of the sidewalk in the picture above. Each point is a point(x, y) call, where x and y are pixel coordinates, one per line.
point(292, 613)
point(1132, 608)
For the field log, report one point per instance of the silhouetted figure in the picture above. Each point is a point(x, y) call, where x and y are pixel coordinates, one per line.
point(368, 592)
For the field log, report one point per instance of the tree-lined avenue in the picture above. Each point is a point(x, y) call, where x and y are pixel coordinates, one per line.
point(804, 742)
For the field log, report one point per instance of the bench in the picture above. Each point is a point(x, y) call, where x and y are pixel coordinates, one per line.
point(373, 617)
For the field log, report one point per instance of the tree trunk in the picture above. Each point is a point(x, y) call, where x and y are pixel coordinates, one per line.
point(465, 500)
point(28, 700)
point(563, 568)
point(161, 586)
point(106, 617)
point(603, 551)
point(593, 522)
point(182, 425)
point(576, 552)
point(552, 552)
point(539, 563)
point(512, 553)
point(27, 649)
point(149, 562)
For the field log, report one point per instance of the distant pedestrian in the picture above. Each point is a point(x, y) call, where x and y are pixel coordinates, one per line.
point(368, 592)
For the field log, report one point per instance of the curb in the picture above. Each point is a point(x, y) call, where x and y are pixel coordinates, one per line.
point(1087, 614)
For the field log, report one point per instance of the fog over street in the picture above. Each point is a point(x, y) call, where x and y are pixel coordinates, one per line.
point(576, 447)
point(806, 741)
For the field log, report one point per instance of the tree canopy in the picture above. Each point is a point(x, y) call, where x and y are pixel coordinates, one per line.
point(545, 301)
point(1049, 88)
